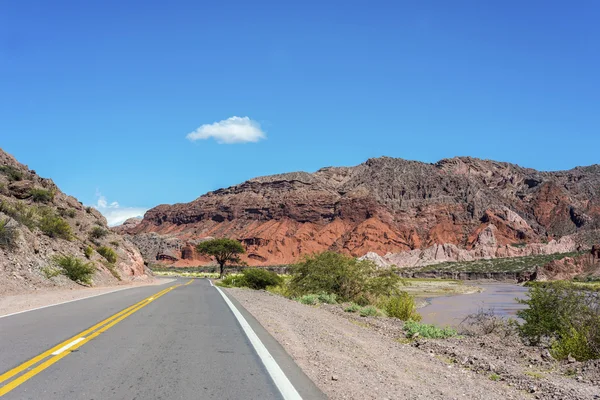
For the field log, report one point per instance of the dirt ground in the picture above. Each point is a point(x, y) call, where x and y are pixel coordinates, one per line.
point(353, 357)
point(40, 298)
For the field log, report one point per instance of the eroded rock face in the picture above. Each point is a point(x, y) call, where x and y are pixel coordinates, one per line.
point(586, 265)
point(24, 199)
point(388, 205)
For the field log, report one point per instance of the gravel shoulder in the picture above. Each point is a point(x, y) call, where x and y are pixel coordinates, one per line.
point(41, 298)
point(352, 357)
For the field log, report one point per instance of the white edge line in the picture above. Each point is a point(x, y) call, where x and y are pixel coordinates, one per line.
point(287, 390)
point(211, 284)
point(71, 301)
point(68, 346)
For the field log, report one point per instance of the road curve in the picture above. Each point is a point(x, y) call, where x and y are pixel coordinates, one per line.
point(176, 341)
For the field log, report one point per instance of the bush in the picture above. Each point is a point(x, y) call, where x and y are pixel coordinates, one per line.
point(75, 269)
point(368, 311)
point(486, 322)
point(233, 280)
point(21, 213)
point(353, 307)
point(68, 212)
point(108, 253)
point(348, 278)
point(12, 173)
point(88, 251)
point(402, 307)
point(414, 329)
point(259, 279)
point(98, 232)
point(54, 226)
point(42, 195)
point(8, 235)
point(309, 299)
point(327, 298)
point(50, 272)
point(564, 315)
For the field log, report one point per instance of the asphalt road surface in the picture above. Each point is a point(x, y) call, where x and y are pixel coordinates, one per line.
point(175, 341)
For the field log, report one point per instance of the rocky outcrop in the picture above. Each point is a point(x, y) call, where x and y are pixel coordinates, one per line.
point(583, 266)
point(129, 223)
point(38, 222)
point(388, 205)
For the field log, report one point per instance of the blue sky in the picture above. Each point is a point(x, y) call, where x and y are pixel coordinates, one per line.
point(102, 96)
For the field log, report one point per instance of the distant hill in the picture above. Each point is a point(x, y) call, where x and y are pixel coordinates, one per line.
point(385, 205)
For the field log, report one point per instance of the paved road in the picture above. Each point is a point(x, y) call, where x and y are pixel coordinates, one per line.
point(179, 342)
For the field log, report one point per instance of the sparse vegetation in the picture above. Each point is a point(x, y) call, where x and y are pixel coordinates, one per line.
point(67, 212)
point(40, 195)
point(353, 307)
point(566, 317)
point(98, 232)
point(22, 213)
point(108, 253)
point(416, 329)
point(54, 226)
point(51, 272)
point(12, 173)
point(369, 311)
point(309, 299)
point(112, 269)
point(494, 377)
point(486, 322)
point(88, 251)
point(115, 244)
point(511, 264)
point(75, 269)
point(8, 235)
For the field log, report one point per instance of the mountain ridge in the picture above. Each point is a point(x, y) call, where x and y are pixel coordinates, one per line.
point(386, 205)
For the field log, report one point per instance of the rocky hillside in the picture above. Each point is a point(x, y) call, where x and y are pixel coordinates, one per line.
point(583, 266)
point(385, 205)
point(38, 223)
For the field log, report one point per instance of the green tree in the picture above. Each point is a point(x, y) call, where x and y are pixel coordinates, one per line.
point(223, 250)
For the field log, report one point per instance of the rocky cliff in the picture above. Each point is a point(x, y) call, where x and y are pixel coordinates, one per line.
point(39, 222)
point(386, 205)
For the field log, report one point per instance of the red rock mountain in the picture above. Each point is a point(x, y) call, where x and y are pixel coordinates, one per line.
point(383, 205)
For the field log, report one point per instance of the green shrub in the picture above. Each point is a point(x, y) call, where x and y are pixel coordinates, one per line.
point(108, 253)
point(68, 212)
point(327, 298)
point(50, 272)
point(54, 226)
point(42, 195)
point(88, 251)
point(353, 307)
point(21, 213)
point(566, 316)
point(232, 280)
point(75, 269)
point(8, 235)
point(413, 329)
point(12, 173)
point(259, 279)
point(348, 278)
point(368, 311)
point(309, 299)
point(98, 232)
point(114, 243)
point(281, 290)
point(112, 269)
point(402, 307)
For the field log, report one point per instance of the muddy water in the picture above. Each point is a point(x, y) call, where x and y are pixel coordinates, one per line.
point(451, 310)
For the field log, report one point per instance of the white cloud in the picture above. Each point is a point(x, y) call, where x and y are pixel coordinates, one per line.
point(114, 213)
point(230, 130)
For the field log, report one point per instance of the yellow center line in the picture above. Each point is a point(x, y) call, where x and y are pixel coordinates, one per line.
point(80, 339)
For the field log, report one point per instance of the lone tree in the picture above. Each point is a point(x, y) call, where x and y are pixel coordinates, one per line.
point(223, 250)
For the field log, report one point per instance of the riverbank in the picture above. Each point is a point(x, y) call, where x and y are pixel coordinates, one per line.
point(349, 356)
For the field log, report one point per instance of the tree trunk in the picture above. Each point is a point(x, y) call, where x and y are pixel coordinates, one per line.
point(222, 265)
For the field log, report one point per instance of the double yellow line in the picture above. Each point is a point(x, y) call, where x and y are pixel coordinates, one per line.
point(63, 349)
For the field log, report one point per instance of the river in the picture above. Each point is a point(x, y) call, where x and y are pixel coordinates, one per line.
point(452, 310)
